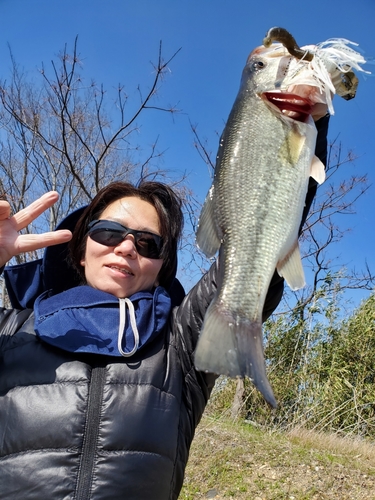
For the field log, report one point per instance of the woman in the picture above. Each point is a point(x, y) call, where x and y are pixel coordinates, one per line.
point(99, 398)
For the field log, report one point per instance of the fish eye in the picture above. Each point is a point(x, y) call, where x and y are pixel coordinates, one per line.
point(257, 65)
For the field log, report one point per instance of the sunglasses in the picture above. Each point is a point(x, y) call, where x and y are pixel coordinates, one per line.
point(111, 234)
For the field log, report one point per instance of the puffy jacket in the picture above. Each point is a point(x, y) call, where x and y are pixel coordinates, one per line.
point(93, 427)
point(83, 426)
point(96, 427)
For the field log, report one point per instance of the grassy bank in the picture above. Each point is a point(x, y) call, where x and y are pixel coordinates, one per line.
point(240, 461)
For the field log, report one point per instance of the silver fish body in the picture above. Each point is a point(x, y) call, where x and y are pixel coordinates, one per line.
point(253, 213)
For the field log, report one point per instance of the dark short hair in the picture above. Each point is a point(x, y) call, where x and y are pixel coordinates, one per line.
point(168, 206)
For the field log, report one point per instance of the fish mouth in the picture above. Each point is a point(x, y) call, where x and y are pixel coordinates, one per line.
point(292, 105)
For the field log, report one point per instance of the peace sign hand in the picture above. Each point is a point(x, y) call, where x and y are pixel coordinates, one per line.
point(12, 243)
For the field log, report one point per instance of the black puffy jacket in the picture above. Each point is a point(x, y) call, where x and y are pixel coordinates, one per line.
point(83, 426)
point(97, 427)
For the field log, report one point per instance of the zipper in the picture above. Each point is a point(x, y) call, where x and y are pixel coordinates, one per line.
point(91, 433)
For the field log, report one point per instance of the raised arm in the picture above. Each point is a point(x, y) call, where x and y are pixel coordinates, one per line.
point(12, 243)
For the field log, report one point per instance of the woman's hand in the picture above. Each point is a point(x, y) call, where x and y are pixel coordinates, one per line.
point(12, 243)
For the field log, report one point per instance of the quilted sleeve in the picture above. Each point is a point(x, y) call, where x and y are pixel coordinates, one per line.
point(11, 321)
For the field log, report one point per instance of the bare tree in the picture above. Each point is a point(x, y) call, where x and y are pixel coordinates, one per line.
point(59, 135)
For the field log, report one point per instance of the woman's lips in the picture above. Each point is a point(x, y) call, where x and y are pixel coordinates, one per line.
point(120, 269)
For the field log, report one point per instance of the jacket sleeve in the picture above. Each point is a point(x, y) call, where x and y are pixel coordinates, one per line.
point(187, 323)
point(11, 321)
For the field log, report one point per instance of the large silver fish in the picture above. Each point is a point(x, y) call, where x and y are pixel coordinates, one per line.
point(254, 207)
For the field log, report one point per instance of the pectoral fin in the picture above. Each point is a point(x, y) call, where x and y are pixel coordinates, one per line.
point(291, 268)
point(208, 234)
point(317, 170)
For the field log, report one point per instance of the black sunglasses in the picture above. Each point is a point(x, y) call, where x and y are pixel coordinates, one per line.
point(111, 234)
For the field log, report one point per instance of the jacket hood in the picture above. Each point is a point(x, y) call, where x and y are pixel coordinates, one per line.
point(84, 319)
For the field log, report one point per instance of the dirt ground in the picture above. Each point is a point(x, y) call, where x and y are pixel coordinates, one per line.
point(229, 461)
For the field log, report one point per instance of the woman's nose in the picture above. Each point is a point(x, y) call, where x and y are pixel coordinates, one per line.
point(127, 247)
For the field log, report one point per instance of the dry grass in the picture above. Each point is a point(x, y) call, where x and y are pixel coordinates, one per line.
point(355, 448)
point(230, 460)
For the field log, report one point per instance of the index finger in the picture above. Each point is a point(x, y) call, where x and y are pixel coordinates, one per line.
point(32, 211)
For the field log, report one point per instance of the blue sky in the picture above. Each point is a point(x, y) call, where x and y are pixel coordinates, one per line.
point(118, 39)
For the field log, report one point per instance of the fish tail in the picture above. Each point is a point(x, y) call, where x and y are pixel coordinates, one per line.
point(233, 347)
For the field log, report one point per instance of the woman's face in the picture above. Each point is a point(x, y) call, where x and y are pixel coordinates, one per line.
point(120, 270)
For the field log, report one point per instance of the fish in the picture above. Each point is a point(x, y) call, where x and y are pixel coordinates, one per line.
point(253, 209)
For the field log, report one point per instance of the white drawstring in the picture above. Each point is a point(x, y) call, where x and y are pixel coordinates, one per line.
point(121, 331)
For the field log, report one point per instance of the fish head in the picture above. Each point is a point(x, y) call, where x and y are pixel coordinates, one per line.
point(289, 86)
point(265, 69)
